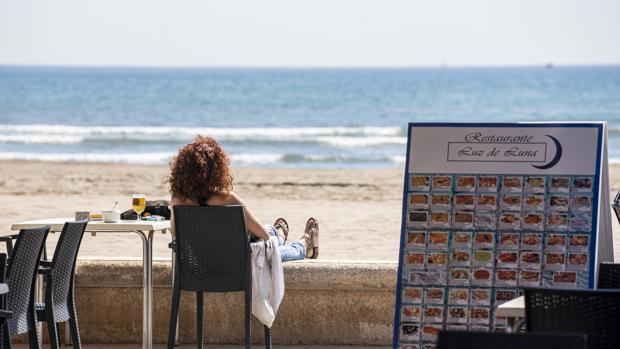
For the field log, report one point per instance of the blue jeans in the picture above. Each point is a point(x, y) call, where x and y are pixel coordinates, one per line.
point(291, 252)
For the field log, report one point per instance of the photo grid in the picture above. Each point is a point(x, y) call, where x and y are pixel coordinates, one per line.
point(472, 241)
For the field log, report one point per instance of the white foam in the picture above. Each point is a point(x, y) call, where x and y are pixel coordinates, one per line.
point(161, 158)
point(398, 159)
point(40, 139)
point(256, 158)
point(361, 141)
point(143, 158)
point(65, 134)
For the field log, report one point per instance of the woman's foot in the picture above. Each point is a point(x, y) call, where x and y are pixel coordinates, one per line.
point(282, 228)
point(311, 238)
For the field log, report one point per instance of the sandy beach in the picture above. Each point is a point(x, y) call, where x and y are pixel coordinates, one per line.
point(358, 210)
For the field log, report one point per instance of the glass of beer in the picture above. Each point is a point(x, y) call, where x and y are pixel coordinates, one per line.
point(139, 204)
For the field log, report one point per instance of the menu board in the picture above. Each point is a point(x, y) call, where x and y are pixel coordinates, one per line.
point(489, 209)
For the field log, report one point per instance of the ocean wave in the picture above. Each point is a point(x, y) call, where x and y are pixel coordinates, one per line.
point(141, 158)
point(613, 129)
point(40, 139)
point(161, 158)
point(67, 134)
point(398, 159)
point(361, 141)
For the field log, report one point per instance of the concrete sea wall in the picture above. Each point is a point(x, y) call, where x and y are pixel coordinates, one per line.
point(326, 302)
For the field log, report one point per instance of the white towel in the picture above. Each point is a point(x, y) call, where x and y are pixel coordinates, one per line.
point(267, 280)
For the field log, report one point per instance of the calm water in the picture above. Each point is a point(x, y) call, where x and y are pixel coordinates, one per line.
point(280, 117)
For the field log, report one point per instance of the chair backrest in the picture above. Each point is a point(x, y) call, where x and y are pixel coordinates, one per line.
point(21, 274)
point(483, 340)
point(63, 266)
point(593, 312)
point(213, 251)
point(608, 276)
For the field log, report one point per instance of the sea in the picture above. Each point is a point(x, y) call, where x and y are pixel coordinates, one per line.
point(301, 118)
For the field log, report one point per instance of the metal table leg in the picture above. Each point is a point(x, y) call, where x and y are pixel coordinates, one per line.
point(40, 298)
point(147, 288)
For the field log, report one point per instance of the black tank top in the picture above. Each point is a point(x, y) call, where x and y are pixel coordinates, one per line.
point(203, 201)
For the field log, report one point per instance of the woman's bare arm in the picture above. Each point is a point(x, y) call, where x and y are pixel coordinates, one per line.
point(253, 224)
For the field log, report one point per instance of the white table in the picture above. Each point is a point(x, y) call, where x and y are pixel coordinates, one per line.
point(144, 229)
point(513, 311)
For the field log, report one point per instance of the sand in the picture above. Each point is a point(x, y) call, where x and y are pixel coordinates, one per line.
point(359, 211)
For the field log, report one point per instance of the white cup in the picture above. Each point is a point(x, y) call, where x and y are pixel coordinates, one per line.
point(111, 216)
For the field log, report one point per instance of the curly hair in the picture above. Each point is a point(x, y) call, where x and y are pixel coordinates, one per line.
point(200, 170)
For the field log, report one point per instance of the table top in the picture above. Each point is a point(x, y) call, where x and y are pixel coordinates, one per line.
point(95, 226)
point(513, 308)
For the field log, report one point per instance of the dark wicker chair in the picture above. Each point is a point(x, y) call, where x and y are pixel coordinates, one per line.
point(4, 313)
point(21, 276)
point(595, 313)
point(608, 276)
point(59, 303)
point(212, 255)
point(482, 340)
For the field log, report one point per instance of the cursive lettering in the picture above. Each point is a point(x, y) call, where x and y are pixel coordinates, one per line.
point(478, 137)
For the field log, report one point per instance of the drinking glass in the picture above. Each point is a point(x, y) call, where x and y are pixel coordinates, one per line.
point(139, 204)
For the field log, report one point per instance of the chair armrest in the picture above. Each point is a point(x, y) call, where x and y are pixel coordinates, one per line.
point(8, 237)
point(6, 314)
point(8, 240)
point(4, 261)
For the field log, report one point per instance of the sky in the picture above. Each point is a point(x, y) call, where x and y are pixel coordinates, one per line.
point(309, 33)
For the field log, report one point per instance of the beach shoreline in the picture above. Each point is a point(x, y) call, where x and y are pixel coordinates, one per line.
point(359, 210)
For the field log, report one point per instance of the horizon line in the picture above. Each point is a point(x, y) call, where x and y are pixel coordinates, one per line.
point(309, 67)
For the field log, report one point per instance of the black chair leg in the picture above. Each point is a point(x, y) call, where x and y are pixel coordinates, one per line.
point(33, 333)
point(174, 313)
point(52, 331)
point(74, 327)
point(248, 318)
point(48, 315)
point(199, 317)
point(267, 337)
point(5, 337)
point(58, 335)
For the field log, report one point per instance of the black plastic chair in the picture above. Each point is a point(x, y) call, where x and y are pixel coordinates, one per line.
point(593, 312)
point(21, 276)
point(482, 340)
point(608, 276)
point(212, 255)
point(59, 303)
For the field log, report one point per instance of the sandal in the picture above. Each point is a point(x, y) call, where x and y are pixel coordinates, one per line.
point(311, 235)
point(282, 224)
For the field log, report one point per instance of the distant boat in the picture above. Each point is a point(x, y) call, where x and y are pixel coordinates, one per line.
point(549, 66)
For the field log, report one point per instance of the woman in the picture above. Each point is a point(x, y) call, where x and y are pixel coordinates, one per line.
point(200, 175)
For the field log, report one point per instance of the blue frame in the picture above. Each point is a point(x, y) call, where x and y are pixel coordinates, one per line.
point(595, 207)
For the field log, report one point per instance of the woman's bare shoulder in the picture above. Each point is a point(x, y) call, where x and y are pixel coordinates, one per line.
point(177, 201)
point(225, 198)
